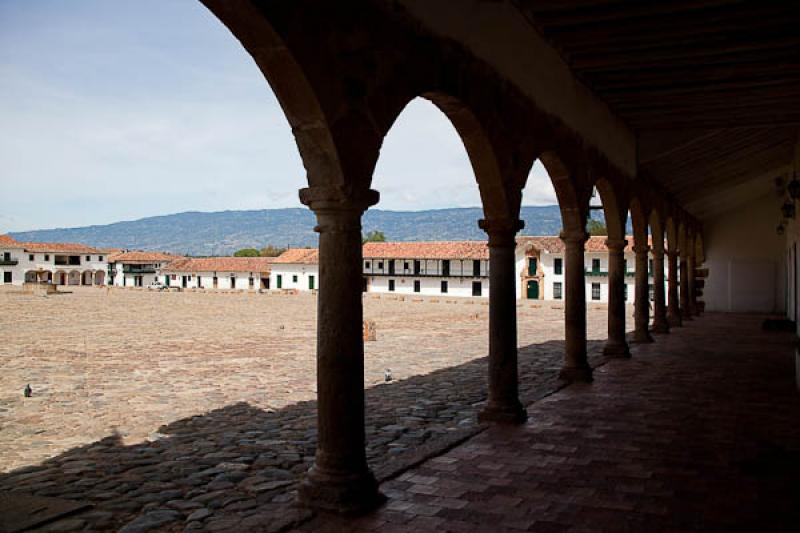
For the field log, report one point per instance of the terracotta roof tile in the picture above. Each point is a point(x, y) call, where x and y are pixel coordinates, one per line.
point(298, 256)
point(9, 241)
point(427, 250)
point(139, 257)
point(55, 247)
point(220, 264)
point(596, 243)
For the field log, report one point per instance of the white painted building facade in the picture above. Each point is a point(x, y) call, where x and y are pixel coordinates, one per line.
point(540, 269)
point(222, 273)
point(461, 268)
point(137, 268)
point(453, 268)
point(55, 263)
point(295, 269)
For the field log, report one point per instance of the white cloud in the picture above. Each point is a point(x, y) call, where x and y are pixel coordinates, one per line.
point(120, 110)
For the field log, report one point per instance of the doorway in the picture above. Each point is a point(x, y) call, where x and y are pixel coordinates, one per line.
point(533, 289)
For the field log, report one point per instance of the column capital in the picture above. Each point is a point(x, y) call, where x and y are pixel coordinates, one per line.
point(501, 231)
point(641, 249)
point(336, 210)
point(336, 199)
point(573, 237)
point(616, 245)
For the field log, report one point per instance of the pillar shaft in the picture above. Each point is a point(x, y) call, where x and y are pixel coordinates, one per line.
point(641, 313)
point(340, 479)
point(673, 309)
point(616, 345)
point(692, 300)
point(503, 403)
point(686, 311)
point(660, 322)
point(576, 366)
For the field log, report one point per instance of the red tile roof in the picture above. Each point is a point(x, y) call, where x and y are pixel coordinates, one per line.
point(9, 242)
point(221, 264)
point(56, 247)
point(596, 243)
point(298, 256)
point(427, 250)
point(139, 257)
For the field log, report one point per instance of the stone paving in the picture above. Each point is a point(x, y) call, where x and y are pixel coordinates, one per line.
point(698, 432)
point(196, 411)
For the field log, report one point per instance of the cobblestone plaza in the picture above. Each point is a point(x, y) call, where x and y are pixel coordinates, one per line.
point(227, 382)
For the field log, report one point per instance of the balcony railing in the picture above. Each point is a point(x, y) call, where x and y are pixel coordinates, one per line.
point(11, 261)
point(136, 269)
point(604, 274)
point(411, 274)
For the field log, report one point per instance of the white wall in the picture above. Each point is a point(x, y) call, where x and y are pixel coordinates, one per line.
point(293, 276)
point(430, 286)
point(205, 280)
point(746, 259)
point(547, 265)
point(35, 261)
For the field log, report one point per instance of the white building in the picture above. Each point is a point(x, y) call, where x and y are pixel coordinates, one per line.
point(56, 263)
point(239, 273)
point(136, 268)
point(454, 268)
point(297, 269)
point(461, 268)
point(540, 269)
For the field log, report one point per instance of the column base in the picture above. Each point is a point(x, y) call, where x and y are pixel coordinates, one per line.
point(660, 326)
point(674, 321)
point(574, 374)
point(342, 493)
point(617, 349)
point(642, 337)
point(501, 414)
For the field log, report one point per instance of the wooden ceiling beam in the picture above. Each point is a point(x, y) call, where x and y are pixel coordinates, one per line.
point(556, 15)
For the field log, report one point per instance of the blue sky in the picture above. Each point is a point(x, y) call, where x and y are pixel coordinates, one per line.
point(117, 110)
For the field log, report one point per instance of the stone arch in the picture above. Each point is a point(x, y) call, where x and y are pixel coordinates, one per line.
point(573, 205)
point(296, 96)
point(615, 215)
point(99, 277)
point(479, 148)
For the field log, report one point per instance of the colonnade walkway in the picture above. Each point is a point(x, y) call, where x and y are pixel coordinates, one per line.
point(698, 431)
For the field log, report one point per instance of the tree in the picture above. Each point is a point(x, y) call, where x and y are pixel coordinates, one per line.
point(246, 252)
point(374, 236)
point(271, 251)
point(595, 227)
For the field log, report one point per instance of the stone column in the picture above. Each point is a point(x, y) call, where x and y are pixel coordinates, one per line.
point(673, 311)
point(576, 366)
point(641, 313)
point(660, 322)
point(616, 345)
point(686, 311)
point(690, 281)
point(503, 404)
point(340, 479)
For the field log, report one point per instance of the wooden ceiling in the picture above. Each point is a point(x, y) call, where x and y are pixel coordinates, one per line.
point(712, 87)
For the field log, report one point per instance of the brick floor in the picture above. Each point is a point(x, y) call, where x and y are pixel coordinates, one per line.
point(699, 431)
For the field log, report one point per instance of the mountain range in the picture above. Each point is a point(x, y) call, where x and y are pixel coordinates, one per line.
point(223, 232)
